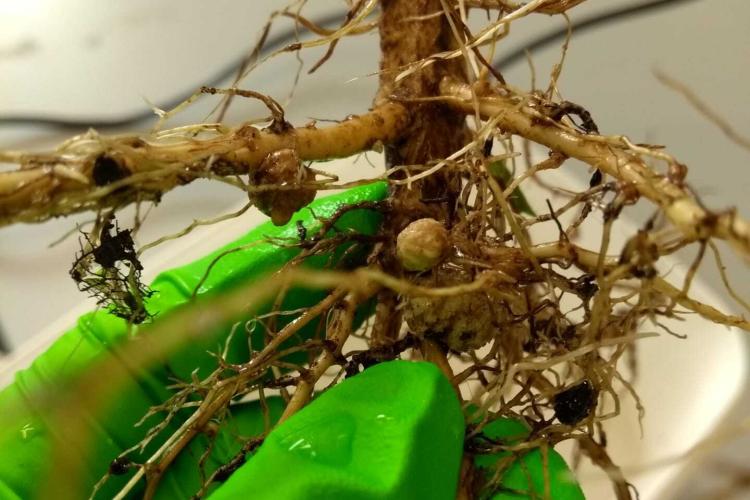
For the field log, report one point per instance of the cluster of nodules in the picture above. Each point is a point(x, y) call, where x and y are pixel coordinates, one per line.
point(467, 319)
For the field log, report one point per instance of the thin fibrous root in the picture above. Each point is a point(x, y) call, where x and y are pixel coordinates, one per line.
point(618, 158)
point(550, 7)
point(588, 261)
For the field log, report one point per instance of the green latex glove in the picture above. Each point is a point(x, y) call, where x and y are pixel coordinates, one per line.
point(394, 431)
point(25, 438)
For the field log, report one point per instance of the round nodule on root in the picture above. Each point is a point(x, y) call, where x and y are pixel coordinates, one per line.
point(282, 168)
point(422, 245)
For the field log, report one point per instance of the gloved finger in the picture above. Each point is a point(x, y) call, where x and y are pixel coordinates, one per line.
point(395, 431)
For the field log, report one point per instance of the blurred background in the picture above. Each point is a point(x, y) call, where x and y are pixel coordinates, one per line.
point(66, 65)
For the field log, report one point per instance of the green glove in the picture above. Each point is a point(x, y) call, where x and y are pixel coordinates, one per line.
point(394, 431)
point(26, 440)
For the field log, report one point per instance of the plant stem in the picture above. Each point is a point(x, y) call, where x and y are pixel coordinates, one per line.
point(49, 186)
